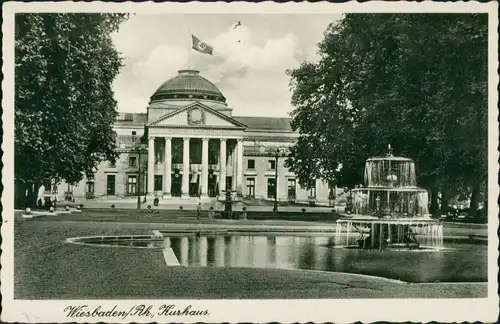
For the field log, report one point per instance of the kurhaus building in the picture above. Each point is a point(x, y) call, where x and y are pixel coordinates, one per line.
point(196, 147)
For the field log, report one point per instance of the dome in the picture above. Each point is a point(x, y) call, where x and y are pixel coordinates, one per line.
point(188, 85)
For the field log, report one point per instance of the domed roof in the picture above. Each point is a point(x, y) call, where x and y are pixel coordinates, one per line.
point(188, 84)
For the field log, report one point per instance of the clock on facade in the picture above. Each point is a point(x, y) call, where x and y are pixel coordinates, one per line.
point(196, 117)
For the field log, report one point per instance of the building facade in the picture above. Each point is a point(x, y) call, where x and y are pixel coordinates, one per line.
point(197, 148)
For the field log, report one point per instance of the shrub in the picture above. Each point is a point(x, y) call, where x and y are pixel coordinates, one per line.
point(66, 207)
point(51, 209)
point(303, 210)
point(28, 211)
point(113, 206)
point(244, 209)
point(181, 208)
point(211, 207)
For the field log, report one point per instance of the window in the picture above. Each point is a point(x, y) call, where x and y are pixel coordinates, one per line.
point(291, 188)
point(158, 182)
point(132, 184)
point(132, 161)
point(251, 187)
point(312, 188)
point(90, 186)
point(271, 165)
point(271, 187)
point(134, 133)
point(251, 164)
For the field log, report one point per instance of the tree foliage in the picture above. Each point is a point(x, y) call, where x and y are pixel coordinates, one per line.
point(64, 107)
point(415, 81)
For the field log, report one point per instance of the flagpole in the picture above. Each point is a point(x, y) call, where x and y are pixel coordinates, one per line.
point(189, 49)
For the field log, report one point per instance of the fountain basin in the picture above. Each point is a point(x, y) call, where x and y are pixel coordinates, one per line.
point(311, 252)
point(411, 233)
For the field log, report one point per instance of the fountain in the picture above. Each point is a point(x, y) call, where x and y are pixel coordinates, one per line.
point(391, 212)
point(228, 202)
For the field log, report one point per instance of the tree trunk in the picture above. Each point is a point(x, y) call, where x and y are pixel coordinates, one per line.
point(29, 196)
point(34, 196)
point(18, 194)
point(434, 202)
point(474, 199)
point(444, 200)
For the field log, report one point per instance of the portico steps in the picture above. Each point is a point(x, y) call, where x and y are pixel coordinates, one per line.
point(163, 203)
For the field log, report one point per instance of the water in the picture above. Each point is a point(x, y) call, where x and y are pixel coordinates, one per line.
point(460, 262)
point(383, 234)
point(391, 189)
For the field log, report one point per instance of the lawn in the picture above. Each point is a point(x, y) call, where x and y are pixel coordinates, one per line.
point(46, 267)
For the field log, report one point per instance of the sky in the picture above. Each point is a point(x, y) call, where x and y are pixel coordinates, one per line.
point(248, 64)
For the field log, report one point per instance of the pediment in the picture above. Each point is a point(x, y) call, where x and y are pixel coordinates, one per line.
point(196, 115)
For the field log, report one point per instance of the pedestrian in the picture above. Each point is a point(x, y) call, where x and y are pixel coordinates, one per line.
point(211, 213)
point(198, 211)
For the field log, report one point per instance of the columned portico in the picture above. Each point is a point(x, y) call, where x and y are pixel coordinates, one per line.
point(197, 165)
point(188, 169)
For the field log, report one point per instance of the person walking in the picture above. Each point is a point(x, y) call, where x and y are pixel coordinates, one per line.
point(198, 211)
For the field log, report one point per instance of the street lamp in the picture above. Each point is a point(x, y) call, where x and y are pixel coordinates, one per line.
point(276, 153)
point(138, 148)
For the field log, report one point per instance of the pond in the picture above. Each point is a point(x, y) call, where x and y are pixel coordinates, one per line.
point(458, 262)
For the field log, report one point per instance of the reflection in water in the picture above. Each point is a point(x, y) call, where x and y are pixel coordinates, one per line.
point(183, 255)
point(271, 256)
point(202, 251)
point(219, 251)
point(192, 252)
point(309, 252)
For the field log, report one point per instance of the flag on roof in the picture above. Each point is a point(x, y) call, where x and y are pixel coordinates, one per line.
point(201, 47)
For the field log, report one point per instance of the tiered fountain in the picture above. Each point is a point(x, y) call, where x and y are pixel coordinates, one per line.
point(391, 212)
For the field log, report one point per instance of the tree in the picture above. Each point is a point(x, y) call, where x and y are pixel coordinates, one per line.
point(64, 107)
point(415, 81)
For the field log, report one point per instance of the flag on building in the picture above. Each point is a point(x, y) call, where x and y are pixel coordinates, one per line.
point(201, 47)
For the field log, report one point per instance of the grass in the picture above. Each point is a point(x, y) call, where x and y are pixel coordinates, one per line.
point(46, 267)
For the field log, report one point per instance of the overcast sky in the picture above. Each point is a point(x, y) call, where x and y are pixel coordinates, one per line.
point(248, 64)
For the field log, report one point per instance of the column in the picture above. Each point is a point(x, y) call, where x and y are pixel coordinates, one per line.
point(151, 165)
point(185, 169)
point(204, 168)
point(167, 172)
point(222, 169)
point(239, 167)
point(233, 158)
point(276, 177)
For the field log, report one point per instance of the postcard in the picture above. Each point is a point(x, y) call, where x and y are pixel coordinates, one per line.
point(249, 162)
